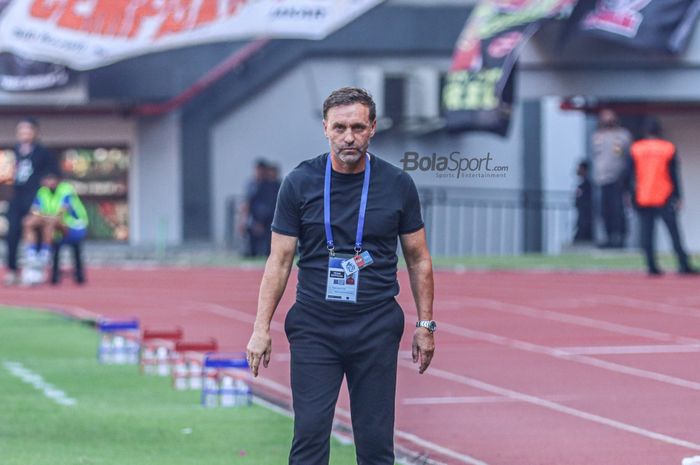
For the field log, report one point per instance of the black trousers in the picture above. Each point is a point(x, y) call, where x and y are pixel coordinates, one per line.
point(612, 210)
point(19, 208)
point(647, 217)
point(584, 224)
point(259, 239)
point(360, 345)
point(78, 268)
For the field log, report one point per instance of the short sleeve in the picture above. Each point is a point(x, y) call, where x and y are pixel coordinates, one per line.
point(68, 206)
point(411, 219)
point(287, 219)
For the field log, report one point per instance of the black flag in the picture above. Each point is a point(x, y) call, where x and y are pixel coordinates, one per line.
point(661, 25)
point(478, 92)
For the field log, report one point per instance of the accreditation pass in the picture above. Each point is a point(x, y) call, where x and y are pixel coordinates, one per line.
point(341, 286)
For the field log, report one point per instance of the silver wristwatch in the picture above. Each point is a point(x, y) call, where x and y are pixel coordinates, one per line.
point(430, 325)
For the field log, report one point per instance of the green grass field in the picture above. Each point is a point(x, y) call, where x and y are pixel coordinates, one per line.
point(586, 259)
point(120, 417)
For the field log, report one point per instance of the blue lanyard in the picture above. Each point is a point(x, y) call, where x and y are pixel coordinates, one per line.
point(327, 207)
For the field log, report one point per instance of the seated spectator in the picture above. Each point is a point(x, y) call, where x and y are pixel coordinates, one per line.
point(57, 217)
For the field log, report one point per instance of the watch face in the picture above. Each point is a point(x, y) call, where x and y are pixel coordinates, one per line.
point(432, 326)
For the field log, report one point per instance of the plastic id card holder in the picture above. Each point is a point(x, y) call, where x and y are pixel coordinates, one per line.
point(341, 286)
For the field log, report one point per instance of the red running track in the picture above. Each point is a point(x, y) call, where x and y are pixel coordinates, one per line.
point(531, 368)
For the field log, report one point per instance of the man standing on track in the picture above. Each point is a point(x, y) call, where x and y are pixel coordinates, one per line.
point(656, 191)
point(345, 210)
point(33, 161)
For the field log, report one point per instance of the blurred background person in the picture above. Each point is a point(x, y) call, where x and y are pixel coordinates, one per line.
point(32, 162)
point(258, 208)
point(610, 143)
point(57, 217)
point(273, 175)
point(584, 204)
point(656, 191)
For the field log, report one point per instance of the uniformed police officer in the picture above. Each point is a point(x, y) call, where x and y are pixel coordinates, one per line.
point(345, 211)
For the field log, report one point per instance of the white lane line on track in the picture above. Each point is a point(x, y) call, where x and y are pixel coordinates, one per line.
point(39, 383)
point(245, 317)
point(341, 437)
point(563, 355)
point(228, 312)
point(631, 350)
point(499, 340)
point(639, 304)
point(450, 400)
point(420, 442)
point(425, 444)
point(74, 311)
point(673, 306)
point(537, 313)
point(493, 389)
point(684, 300)
point(520, 397)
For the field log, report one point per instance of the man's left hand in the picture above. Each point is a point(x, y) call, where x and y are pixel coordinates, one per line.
point(423, 348)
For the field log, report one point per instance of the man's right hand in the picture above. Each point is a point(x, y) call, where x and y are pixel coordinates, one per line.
point(274, 280)
point(259, 348)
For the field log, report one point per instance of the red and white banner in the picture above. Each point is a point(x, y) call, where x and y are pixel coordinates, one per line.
point(85, 34)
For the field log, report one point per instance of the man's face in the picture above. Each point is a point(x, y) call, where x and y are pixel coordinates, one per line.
point(349, 131)
point(26, 133)
point(50, 182)
point(608, 118)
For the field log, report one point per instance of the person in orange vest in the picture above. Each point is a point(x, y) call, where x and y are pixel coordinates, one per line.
point(656, 192)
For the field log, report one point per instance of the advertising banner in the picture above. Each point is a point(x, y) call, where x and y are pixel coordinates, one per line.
point(85, 34)
point(19, 74)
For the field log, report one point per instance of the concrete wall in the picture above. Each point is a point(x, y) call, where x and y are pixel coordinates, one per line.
point(563, 136)
point(564, 145)
point(283, 124)
point(682, 130)
point(599, 68)
point(156, 216)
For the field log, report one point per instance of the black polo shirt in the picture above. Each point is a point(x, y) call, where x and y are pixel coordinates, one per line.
point(29, 171)
point(393, 208)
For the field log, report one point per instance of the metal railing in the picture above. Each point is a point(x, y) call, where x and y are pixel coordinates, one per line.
point(473, 222)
